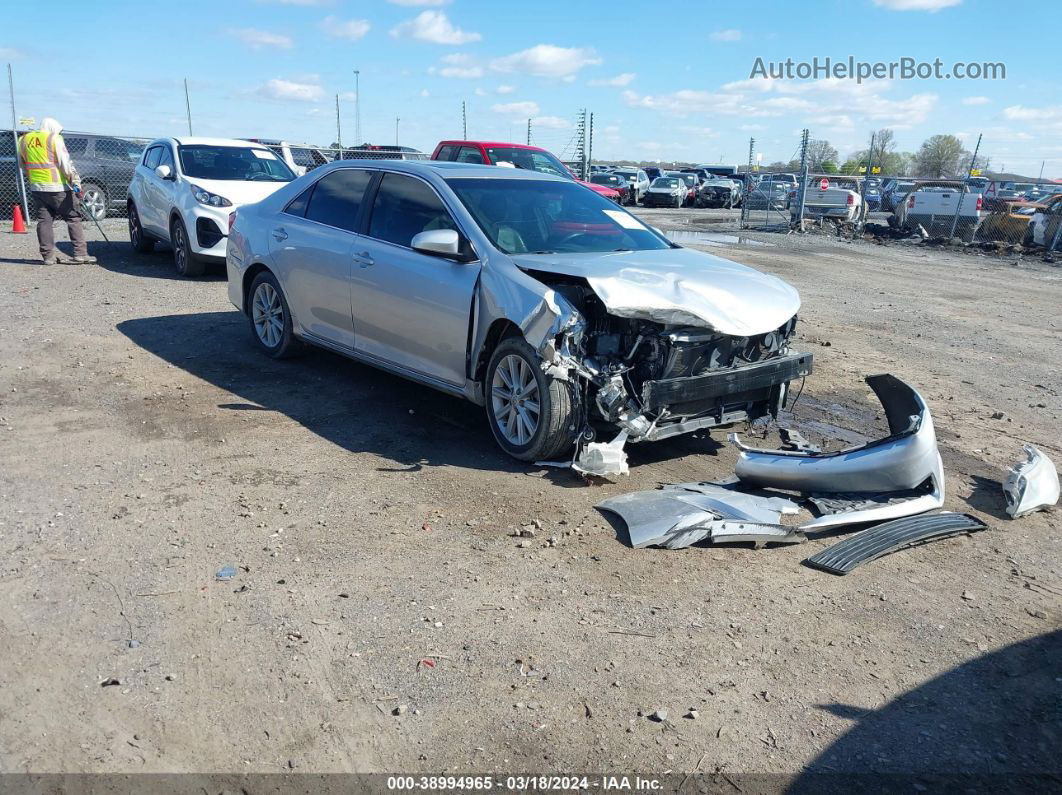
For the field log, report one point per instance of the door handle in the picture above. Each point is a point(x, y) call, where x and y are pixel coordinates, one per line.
point(364, 259)
point(280, 234)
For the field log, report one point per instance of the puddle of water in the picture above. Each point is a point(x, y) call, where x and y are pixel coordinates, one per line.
point(713, 239)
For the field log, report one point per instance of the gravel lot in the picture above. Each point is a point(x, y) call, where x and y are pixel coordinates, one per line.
point(144, 444)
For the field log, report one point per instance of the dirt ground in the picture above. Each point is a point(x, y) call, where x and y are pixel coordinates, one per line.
point(145, 444)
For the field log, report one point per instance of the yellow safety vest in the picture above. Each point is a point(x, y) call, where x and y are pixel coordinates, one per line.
point(37, 149)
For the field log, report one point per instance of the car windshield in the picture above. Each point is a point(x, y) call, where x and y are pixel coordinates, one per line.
point(524, 216)
point(1021, 187)
point(606, 179)
point(529, 159)
point(665, 182)
point(689, 179)
point(625, 174)
point(233, 163)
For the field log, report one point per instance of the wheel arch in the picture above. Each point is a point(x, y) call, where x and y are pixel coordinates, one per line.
point(248, 279)
point(502, 328)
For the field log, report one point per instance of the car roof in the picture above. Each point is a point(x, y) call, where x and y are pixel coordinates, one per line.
point(444, 169)
point(491, 143)
point(189, 140)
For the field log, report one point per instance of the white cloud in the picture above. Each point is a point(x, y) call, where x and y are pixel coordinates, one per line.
point(505, 89)
point(257, 39)
point(479, 92)
point(433, 27)
point(425, 93)
point(552, 122)
point(291, 90)
point(458, 65)
point(548, 60)
point(1022, 113)
point(976, 101)
point(931, 6)
point(419, 2)
point(619, 81)
point(730, 34)
point(11, 54)
point(522, 110)
point(352, 29)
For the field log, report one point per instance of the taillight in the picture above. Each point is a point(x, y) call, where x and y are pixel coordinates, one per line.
point(980, 201)
point(910, 201)
point(851, 199)
point(232, 219)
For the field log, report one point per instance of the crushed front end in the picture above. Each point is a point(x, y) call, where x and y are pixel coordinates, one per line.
point(655, 380)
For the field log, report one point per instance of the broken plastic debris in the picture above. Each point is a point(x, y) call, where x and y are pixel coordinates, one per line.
point(1032, 484)
point(225, 573)
point(603, 459)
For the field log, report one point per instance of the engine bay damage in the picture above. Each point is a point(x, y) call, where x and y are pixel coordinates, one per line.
point(649, 379)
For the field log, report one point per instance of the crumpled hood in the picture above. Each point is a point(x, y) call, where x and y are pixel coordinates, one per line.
point(238, 191)
point(678, 286)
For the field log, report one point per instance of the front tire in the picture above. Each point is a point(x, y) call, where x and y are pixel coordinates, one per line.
point(529, 412)
point(186, 263)
point(270, 318)
point(141, 243)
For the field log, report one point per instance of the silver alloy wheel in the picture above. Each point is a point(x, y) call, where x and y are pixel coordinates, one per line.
point(267, 313)
point(95, 203)
point(180, 255)
point(514, 400)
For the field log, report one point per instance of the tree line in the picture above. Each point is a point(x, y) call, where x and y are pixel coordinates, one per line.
point(938, 156)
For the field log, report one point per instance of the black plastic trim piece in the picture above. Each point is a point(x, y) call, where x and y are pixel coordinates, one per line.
point(882, 539)
point(761, 375)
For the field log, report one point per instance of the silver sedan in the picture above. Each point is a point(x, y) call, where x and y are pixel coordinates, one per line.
point(559, 312)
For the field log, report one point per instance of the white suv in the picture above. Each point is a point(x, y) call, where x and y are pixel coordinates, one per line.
point(184, 190)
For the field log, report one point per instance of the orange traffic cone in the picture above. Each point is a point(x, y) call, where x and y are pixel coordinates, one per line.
point(18, 224)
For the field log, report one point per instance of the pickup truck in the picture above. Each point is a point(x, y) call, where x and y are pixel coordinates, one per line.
point(932, 204)
point(829, 197)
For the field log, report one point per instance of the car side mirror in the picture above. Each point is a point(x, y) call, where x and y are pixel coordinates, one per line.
point(163, 172)
point(438, 243)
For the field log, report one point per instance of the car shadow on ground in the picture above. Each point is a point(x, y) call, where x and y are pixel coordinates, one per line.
point(359, 408)
point(993, 724)
point(119, 257)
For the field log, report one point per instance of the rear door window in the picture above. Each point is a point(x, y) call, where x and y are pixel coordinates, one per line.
point(336, 199)
point(76, 145)
point(469, 154)
point(404, 207)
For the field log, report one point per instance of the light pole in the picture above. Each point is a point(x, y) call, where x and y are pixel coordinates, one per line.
point(397, 120)
point(357, 108)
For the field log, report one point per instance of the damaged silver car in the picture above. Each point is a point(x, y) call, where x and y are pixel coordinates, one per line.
point(558, 311)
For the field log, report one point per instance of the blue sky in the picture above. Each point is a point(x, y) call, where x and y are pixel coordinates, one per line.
point(664, 80)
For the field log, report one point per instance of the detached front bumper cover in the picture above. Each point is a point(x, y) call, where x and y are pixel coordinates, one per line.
point(899, 475)
point(1032, 484)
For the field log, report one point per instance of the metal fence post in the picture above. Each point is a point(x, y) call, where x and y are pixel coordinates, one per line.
point(803, 193)
point(18, 157)
point(746, 184)
point(965, 185)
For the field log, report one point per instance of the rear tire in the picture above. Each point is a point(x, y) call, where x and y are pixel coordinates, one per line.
point(141, 243)
point(1028, 240)
point(529, 412)
point(186, 263)
point(270, 318)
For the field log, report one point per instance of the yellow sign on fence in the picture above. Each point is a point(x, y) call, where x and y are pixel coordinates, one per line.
point(975, 172)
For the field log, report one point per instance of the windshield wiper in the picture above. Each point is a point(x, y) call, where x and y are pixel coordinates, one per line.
point(546, 251)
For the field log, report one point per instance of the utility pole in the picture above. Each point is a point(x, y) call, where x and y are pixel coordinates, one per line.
point(529, 132)
point(804, 168)
point(580, 149)
point(187, 106)
point(965, 184)
point(590, 148)
point(397, 120)
point(339, 129)
point(18, 157)
point(863, 209)
point(464, 121)
point(357, 108)
point(747, 183)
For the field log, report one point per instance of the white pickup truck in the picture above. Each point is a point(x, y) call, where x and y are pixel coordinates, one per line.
point(932, 204)
point(829, 197)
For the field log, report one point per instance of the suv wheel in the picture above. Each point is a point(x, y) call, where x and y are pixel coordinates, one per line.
point(270, 317)
point(94, 200)
point(141, 243)
point(186, 263)
point(530, 413)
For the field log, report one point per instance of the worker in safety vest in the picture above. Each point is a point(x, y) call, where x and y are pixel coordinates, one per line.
point(56, 188)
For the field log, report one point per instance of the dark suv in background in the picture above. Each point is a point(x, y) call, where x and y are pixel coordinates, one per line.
point(105, 164)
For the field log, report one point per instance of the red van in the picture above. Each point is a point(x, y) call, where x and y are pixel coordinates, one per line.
point(532, 158)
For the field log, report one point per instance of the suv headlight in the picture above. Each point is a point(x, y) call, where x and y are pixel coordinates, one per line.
point(208, 198)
